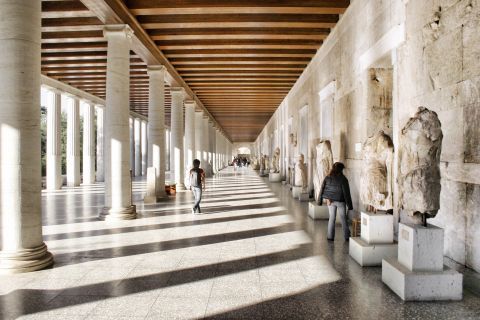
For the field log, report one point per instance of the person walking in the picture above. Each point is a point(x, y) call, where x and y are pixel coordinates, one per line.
point(336, 191)
point(197, 184)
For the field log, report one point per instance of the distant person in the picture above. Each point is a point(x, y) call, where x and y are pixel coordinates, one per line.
point(197, 184)
point(336, 191)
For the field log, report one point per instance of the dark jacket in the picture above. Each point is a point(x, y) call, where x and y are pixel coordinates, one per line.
point(336, 188)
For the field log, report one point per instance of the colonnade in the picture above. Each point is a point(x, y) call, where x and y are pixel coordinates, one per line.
point(21, 245)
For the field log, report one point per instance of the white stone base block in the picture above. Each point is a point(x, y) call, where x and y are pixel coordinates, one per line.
point(275, 177)
point(377, 227)
point(303, 196)
point(423, 285)
point(369, 255)
point(420, 248)
point(317, 212)
point(296, 191)
point(284, 182)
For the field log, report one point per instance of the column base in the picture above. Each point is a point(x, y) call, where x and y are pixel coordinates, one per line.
point(26, 260)
point(116, 214)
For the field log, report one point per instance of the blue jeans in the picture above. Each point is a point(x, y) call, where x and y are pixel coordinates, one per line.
point(332, 210)
point(197, 193)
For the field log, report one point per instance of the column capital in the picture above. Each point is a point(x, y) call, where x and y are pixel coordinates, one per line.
point(155, 69)
point(190, 103)
point(177, 90)
point(117, 30)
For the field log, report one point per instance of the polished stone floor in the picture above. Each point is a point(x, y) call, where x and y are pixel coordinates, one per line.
point(253, 255)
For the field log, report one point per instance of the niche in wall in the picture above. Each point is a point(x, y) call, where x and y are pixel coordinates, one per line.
point(378, 91)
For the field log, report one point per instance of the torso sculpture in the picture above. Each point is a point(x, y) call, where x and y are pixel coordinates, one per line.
point(419, 159)
point(275, 167)
point(255, 163)
point(301, 173)
point(323, 163)
point(376, 179)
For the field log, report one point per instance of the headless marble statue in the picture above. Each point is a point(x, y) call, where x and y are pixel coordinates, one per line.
point(419, 159)
point(376, 179)
point(301, 173)
point(275, 168)
point(323, 163)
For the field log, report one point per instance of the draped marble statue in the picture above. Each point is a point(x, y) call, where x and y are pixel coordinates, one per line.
point(301, 173)
point(376, 178)
point(262, 162)
point(419, 171)
point(275, 167)
point(255, 163)
point(323, 165)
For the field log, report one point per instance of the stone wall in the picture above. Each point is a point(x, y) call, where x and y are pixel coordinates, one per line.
point(398, 54)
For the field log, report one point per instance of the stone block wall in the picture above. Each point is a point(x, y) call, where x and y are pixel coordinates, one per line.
point(431, 51)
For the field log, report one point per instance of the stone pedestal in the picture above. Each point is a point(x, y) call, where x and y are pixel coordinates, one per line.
point(275, 177)
point(376, 240)
point(317, 212)
point(303, 196)
point(418, 274)
point(296, 191)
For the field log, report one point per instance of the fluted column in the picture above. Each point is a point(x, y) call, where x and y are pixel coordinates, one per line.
point(118, 183)
point(177, 128)
point(144, 148)
point(138, 146)
point(189, 134)
point(73, 143)
point(54, 147)
point(100, 176)
point(21, 245)
point(88, 144)
point(156, 126)
point(199, 136)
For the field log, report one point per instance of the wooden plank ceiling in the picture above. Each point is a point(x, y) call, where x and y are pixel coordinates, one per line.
point(240, 57)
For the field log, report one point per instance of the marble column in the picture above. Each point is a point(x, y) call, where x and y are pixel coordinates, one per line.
point(205, 148)
point(21, 245)
point(144, 148)
point(199, 135)
point(156, 126)
point(118, 183)
point(131, 123)
point(88, 144)
point(189, 134)
point(54, 147)
point(137, 125)
point(211, 146)
point(100, 176)
point(73, 143)
point(177, 128)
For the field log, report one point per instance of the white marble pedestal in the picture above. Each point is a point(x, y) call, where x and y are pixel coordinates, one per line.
point(419, 274)
point(317, 212)
point(275, 177)
point(296, 191)
point(376, 240)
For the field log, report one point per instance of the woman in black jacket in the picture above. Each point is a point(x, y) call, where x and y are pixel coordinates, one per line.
point(336, 191)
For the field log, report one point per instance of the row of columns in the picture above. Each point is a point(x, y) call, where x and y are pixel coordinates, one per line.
point(21, 245)
point(54, 178)
point(138, 146)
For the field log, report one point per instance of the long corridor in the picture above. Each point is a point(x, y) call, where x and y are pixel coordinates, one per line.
point(253, 254)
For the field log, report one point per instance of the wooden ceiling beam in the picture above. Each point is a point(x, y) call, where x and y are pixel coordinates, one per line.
point(195, 25)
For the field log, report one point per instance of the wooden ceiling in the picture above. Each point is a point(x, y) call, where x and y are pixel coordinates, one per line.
point(240, 57)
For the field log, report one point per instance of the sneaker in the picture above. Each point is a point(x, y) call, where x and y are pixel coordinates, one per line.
point(193, 210)
point(329, 239)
